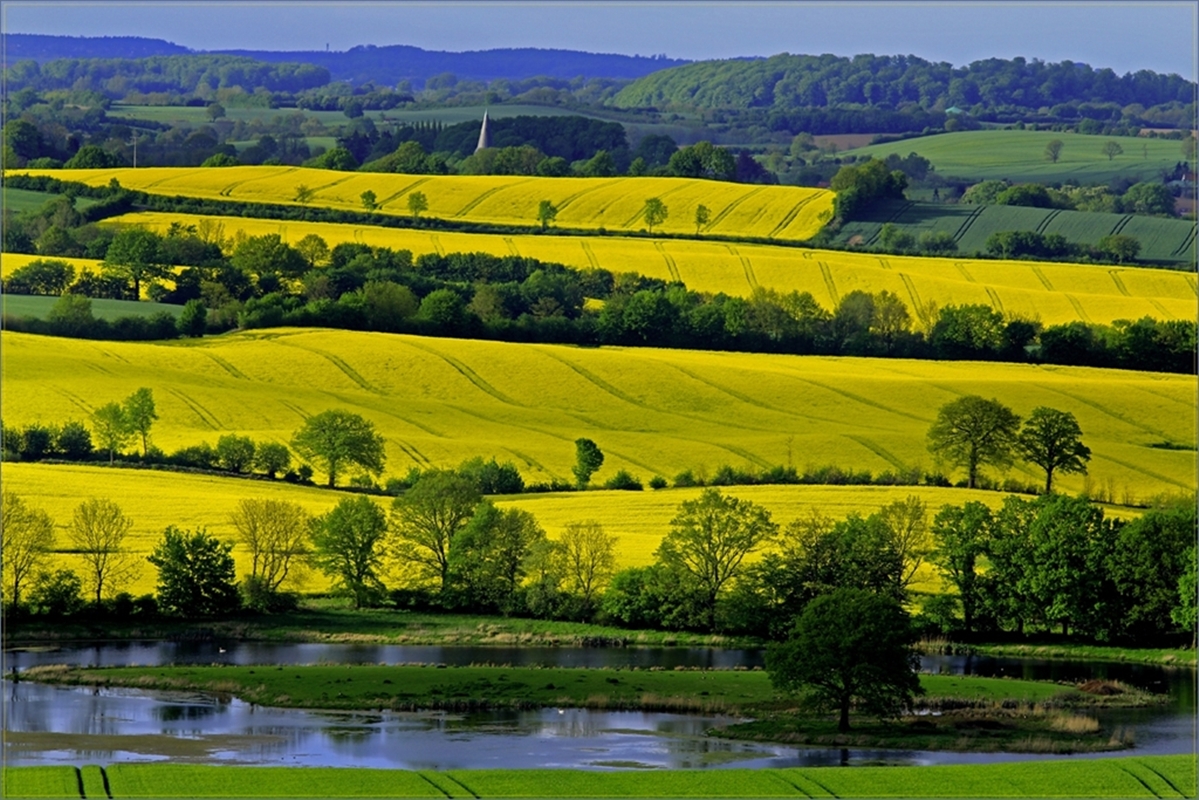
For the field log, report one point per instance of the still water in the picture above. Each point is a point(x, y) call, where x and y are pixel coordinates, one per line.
point(50, 724)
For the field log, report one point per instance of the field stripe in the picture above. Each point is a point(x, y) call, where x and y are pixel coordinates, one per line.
point(74, 399)
point(587, 251)
point(1078, 309)
point(716, 220)
point(884, 263)
point(225, 365)
point(467, 373)
point(304, 415)
point(229, 189)
point(670, 264)
point(1127, 218)
point(336, 361)
point(532, 462)
point(1130, 766)
point(911, 287)
point(1041, 277)
point(828, 282)
point(961, 267)
point(470, 791)
point(790, 216)
point(1047, 219)
point(425, 777)
point(746, 267)
point(1142, 470)
point(572, 197)
point(641, 212)
point(967, 222)
point(1113, 414)
point(402, 191)
point(1160, 308)
point(877, 449)
point(436, 240)
point(1187, 241)
point(1120, 287)
point(995, 301)
point(473, 204)
point(1169, 782)
point(857, 398)
point(203, 414)
point(511, 246)
point(107, 785)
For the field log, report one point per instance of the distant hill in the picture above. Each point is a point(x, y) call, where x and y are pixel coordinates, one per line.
point(381, 65)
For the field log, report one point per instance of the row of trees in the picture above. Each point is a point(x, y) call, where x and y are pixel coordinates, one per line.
point(1152, 198)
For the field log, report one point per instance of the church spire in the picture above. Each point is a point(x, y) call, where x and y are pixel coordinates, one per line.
point(484, 139)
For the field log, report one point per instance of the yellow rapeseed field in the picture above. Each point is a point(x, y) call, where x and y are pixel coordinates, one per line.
point(11, 262)
point(783, 212)
point(1053, 292)
point(154, 500)
point(652, 411)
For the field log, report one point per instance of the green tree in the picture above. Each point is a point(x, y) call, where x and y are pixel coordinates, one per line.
point(588, 458)
point(1148, 197)
point(196, 574)
point(417, 204)
point(655, 212)
point(547, 212)
point(43, 276)
point(702, 215)
point(1053, 150)
point(849, 646)
point(92, 156)
point(314, 249)
point(215, 111)
point(1184, 614)
point(73, 441)
point(304, 194)
point(337, 438)
point(427, 518)
point(1111, 149)
point(140, 414)
point(1152, 553)
point(370, 200)
point(97, 533)
point(71, 315)
point(589, 554)
point(57, 594)
point(1120, 247)
point(271, 458)
point(972, 432)
point(1052, 440)
point(710, 537)
point(111, 428)
point(268, 255)
point(490, 556)
point(133, 254)
point(960, 534)
point(193, 320)
point(275, 535)
point(235, 453)
point(26, 540)
point(348, 546)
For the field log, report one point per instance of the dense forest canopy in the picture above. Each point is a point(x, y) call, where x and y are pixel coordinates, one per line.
point(788, 81)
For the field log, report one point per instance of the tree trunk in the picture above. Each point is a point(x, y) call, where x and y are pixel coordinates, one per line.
point(843, 724)
point(1048, 481)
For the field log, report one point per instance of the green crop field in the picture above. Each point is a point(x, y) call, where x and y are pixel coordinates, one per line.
point(1019, 156)
point(1136, 776)
point(21, 305)
point(25, 200)
point(1169, 241)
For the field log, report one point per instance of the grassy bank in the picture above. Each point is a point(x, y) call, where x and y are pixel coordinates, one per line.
point(1149, 776)
point(969, 713)
point(1087, 652)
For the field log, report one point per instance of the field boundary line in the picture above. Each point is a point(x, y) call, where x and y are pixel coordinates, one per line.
point(829, 284)
point(587, 251)
point(570, 198)
point(877, 449)
point(671, 266)
point(203, 414)
point(790, 216)
point(716, 220)
point(475, 378)
point(1187, 241)
point(1036, 270)
point(967, 222)
point(473, 204)
point(1120, 287)
point(403, 191)
point(913, 295)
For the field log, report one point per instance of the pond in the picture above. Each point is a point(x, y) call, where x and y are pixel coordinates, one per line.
point(50, 724)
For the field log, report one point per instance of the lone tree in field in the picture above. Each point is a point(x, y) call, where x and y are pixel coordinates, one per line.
point(588, 459)
point(1053, 150)
point(1111, 149)
point(370, 201)
point(849, 645)
point(589, 554)
point(702, 215)
point(98, 530)
point(133, 254)
point(710, 537)
point(972, 432)
point(655, 213)
point(140, 415)
point(275, 534)
point(1052, 440)
point(347, 546)
point(547, 212)
point(304, 194)
point(111, 429)
point(195, 574)
point(428, 517)
point(26, 539)
point(417, 204)
point(338, 438)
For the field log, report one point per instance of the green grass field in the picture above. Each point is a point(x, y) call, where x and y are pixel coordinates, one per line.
point(1127, 777)
point(26, 200)
point(1168, 241)
point(1020, 156)
point(24, 305)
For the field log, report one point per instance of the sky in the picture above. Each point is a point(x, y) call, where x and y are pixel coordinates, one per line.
point(1125, 36)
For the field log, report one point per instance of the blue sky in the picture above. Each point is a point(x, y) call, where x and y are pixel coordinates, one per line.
point(1124, 36)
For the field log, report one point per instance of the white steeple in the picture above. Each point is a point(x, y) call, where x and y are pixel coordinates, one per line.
point(484, 139)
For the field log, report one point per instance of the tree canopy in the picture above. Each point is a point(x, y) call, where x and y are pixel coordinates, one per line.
point(336, 438)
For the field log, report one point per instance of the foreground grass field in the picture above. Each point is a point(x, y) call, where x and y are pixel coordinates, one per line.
point(652, 411)
point(1053, 293)
point(1020, 156)
point(616, 204)
point(1137, 776)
